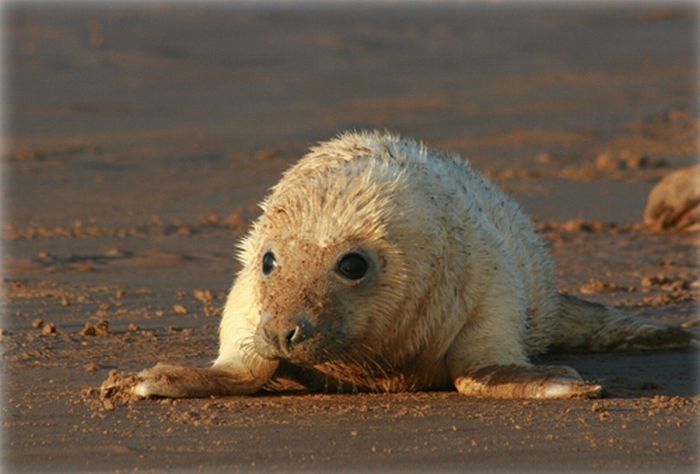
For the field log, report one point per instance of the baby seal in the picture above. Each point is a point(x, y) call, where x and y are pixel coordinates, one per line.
point(381, 265)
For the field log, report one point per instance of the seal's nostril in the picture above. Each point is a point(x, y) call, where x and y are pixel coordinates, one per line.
point(294, 335)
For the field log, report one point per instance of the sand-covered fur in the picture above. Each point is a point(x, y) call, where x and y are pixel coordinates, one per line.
point(379, 264)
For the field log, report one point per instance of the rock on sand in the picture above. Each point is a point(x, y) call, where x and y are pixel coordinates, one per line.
point(674, 203)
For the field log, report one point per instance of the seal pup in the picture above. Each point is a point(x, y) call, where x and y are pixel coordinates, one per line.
point(381, 265)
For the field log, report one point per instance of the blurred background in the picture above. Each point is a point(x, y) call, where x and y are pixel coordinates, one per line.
point(121, 113)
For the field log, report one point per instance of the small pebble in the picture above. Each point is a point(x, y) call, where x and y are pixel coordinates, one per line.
point(88, 330)
point(49, 329)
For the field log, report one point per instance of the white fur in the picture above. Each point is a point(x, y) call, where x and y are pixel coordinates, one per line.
point(472, 284)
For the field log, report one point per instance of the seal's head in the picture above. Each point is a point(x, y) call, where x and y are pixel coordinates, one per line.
point(339, 256)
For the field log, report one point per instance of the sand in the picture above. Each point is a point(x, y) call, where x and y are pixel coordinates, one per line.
point(140, 140)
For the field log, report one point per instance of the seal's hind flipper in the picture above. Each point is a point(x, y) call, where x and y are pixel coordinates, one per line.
point(593, 327)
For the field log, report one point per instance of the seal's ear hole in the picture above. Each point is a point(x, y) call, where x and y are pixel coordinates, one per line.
point(352, 266)
point(269, 262)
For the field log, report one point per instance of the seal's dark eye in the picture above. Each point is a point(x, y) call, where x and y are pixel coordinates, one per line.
point(268, 263)
point(352, 266)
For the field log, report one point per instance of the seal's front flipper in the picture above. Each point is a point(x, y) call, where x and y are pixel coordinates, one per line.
point(174, 381)
point(516, 381)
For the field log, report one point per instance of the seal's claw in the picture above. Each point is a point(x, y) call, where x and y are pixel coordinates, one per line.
point(568, 388)
point(161, 380)
point(143, 390)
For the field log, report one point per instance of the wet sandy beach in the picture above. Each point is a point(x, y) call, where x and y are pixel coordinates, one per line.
point(139, 140)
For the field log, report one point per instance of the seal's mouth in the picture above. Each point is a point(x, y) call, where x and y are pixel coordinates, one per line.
point(307, 353)
point(265, 349)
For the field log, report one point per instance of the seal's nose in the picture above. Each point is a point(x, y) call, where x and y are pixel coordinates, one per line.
point(283, 340)
point(284, 336)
